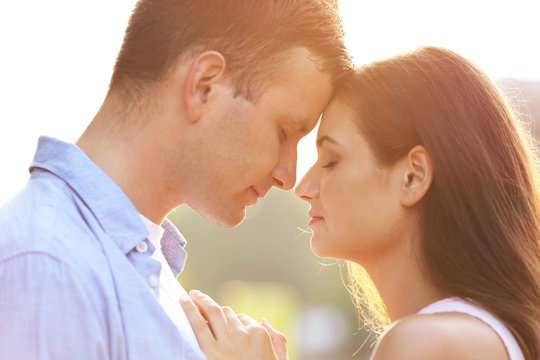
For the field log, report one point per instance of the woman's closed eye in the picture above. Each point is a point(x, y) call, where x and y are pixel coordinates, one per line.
point(329, 164)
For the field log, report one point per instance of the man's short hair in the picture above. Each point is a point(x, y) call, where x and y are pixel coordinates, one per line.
point(251, 34)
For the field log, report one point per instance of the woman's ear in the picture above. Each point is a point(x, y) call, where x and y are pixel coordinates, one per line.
point(417, 176)
point(206, 71)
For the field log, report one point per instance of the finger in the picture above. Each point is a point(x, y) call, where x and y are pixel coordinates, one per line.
point(279, 341)
point(212, 312)
point(198, 323)
point(232, 318)
point(247, 321)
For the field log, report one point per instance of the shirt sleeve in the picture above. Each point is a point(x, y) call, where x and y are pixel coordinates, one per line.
point(44, 313)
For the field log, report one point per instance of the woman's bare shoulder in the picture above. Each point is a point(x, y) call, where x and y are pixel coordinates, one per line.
point(440, 336)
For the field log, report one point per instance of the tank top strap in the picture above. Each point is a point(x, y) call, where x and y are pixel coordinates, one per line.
point(459, 305)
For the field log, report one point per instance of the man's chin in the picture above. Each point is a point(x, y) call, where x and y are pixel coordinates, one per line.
point(227, 217)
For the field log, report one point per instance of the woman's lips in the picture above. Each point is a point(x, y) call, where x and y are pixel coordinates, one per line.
point(315, 219)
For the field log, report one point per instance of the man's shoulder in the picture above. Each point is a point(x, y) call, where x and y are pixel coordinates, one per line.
point(44, 217)
point(44, 194)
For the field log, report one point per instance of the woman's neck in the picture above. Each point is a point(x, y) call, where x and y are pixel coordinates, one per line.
point(403, 287)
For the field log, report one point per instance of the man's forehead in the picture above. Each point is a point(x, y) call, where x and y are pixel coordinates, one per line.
point(301, 124)
point(300, 64)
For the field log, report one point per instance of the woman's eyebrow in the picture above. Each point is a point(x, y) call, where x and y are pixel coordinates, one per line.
point(324, 138)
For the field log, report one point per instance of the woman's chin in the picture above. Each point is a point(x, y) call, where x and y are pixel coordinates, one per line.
point(319, 247)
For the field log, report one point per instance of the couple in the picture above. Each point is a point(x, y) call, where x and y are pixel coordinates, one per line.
point(424, 183)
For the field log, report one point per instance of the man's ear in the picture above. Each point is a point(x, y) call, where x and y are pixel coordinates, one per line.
point(207, 70)
point(417, 176)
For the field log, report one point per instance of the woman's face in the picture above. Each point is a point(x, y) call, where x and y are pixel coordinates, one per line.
point(355, 208)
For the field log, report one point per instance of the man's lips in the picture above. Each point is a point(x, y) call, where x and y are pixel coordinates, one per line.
point(260, 192)
point(255, 196)
point(256, 192)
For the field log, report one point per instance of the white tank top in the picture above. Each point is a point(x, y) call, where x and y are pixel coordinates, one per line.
point(459, 305)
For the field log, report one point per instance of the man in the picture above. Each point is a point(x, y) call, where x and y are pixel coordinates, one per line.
point(207, 102)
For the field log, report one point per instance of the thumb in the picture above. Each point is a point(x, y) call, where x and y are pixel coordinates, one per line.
point(279, 341)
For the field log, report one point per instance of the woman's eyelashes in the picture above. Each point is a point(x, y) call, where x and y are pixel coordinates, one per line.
point(329, 164)
point(327, 159)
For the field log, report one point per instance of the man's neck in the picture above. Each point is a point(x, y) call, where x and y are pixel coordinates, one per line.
point(128, 150)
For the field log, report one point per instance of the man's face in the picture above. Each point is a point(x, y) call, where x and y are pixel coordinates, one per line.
point(250, 147)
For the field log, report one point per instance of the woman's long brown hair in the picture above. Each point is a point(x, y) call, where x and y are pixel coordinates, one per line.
point(480, 219)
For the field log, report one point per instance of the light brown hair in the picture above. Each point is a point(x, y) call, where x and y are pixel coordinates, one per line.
point(251, 34)
point(480, 219)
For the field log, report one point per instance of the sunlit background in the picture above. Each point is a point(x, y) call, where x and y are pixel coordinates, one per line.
point(55, 64)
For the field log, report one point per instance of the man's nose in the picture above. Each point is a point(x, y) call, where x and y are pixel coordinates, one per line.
point(284, 174)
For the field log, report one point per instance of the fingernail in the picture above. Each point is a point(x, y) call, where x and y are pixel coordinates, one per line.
point(264, 321)
point(184, 297)
point(194, 292)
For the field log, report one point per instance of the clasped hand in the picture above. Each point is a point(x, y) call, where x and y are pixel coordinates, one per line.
point(222, 334)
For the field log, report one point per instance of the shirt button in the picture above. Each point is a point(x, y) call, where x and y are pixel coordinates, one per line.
point(153, 280)
point(141, 247)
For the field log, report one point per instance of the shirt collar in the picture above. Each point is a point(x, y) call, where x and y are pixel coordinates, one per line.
point(173, 247)
point(110, 205)
point(155, 232)
point(104, 198)
point(167, 238)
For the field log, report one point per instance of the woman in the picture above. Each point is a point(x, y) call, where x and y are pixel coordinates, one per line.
point(425, 184)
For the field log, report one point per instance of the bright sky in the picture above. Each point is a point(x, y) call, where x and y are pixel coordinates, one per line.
point(57, 57)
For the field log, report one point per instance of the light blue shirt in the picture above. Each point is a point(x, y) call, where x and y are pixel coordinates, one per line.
point(73, 283)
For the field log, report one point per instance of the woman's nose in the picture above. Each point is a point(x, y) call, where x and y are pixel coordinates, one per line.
point(308, 188)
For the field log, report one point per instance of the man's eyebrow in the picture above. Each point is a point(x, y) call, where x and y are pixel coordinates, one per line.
point(324, 138)
point(299, 123)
